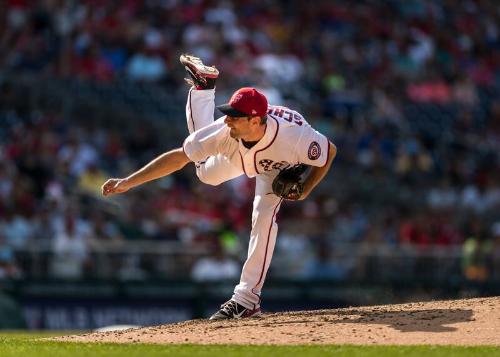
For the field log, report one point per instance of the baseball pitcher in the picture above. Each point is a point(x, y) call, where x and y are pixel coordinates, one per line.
point(272, 143)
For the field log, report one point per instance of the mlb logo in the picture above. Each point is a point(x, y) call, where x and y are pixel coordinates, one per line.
point(236, 97)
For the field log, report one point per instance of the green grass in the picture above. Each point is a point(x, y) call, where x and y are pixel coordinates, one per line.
point(23, 344)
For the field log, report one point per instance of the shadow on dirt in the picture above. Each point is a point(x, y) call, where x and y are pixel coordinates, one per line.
point(431, 320)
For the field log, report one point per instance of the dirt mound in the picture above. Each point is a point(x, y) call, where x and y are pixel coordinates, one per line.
point(455, 322)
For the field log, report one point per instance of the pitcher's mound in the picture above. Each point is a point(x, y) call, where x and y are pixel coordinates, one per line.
point(454, 322)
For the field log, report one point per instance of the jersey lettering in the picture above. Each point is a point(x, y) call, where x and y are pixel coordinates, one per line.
point(279, 112)
point(280, 165)
point(298, 119)
point(269, 165)
point(287, 114)
point(266, 164)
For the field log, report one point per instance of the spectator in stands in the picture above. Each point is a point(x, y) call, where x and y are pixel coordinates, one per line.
point(70, 245)
point(146, 65)
point(8, 265)
point(16, 229)
point(329, 263)
point(91, 180)
point(477, 253)
point(496, 251)
point(43, 223)
point(464, 93)
point(217, 266)
point(131, 268)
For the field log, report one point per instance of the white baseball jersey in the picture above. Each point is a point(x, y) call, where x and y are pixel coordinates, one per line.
point(288, 140)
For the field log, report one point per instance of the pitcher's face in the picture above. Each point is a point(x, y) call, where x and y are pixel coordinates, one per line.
point(240, 126)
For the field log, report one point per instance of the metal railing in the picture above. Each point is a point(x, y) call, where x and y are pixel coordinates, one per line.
point(166, 260)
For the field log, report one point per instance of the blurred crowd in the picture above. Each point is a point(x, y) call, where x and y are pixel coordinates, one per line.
point(407, 90)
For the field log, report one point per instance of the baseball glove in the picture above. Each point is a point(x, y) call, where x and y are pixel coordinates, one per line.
point(289, 184)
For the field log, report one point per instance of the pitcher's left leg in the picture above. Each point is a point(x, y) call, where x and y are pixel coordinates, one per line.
point(261, 246)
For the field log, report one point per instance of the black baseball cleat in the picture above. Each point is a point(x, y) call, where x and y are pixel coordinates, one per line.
point(232, 310)
point(202, 77)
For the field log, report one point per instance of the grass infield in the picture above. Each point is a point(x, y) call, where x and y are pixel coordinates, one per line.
point(25, 344)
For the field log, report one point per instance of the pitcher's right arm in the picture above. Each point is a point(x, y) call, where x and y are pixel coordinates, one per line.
point(161, 166)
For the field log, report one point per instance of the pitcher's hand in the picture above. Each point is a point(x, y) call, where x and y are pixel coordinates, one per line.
point(115, 185)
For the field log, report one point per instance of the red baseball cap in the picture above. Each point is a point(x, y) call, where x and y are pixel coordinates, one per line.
point(245, 102)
